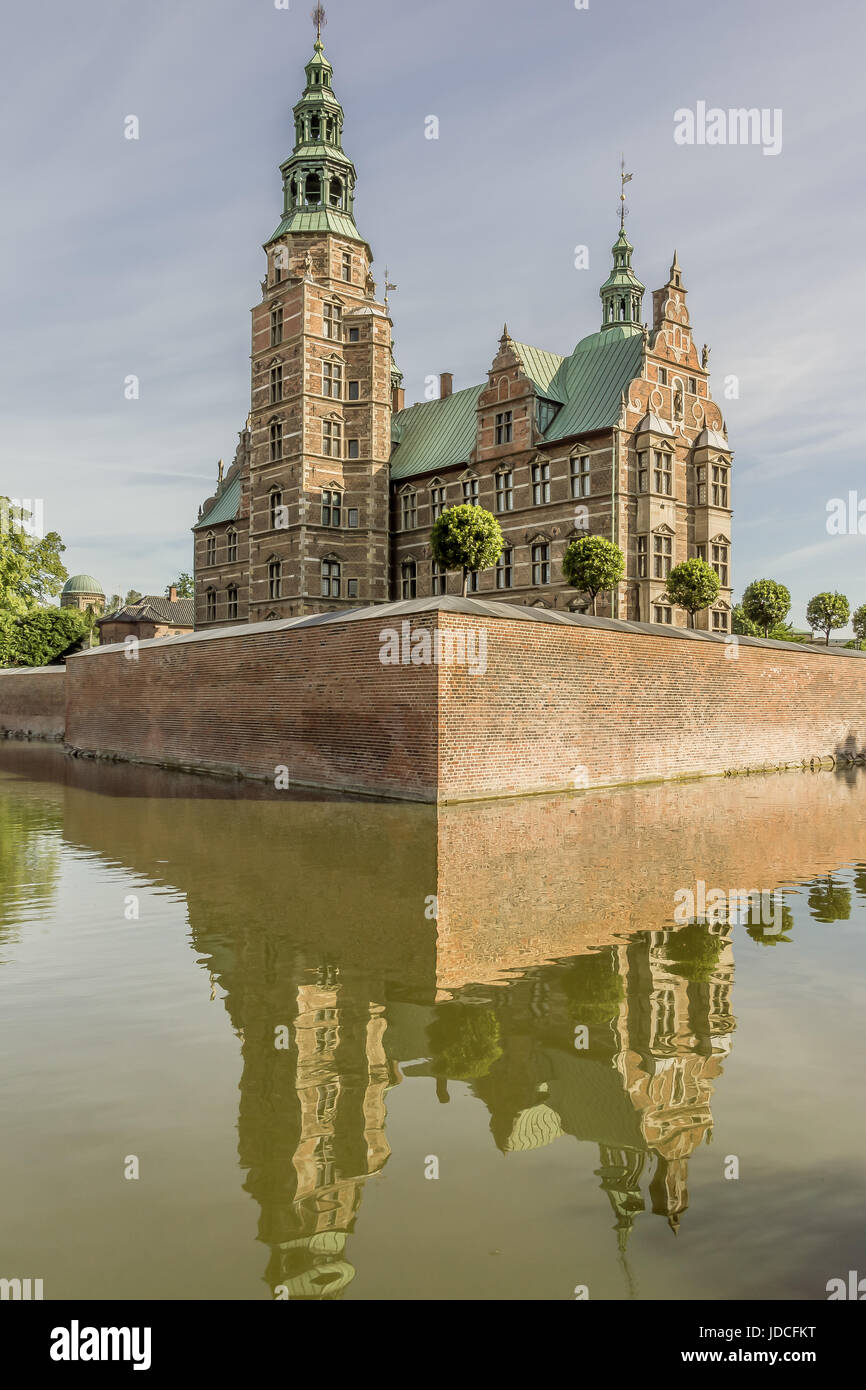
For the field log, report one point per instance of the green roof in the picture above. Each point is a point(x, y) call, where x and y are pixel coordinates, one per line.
point(435, 434)
point(318, 220)
point(225, 506)
point(588, 385)
point(82, 584)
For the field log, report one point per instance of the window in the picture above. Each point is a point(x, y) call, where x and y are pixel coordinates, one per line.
point(642, 557)
point(332, 439)
point(470, 492)
point(313, 190)
point(354, 335)
point(335, 196)
point(352, 588)
point(720, 486)
point(437, 502)
point(354, 449)
point(408, 511)
point(541, 563)
point(580, 477)
point(546, 412)
point(642, 471)
point(211, 549)
point(231, 602)
point(438, 578)
point(276, 384)
point(540, 483)
point(663, 376)
point(232, 546)
point(719, 562)
point(278, 265)
point(210, 598)
point(663, 476)
point(663, 549)
point(701, 552)
point(409, 579)
point(720, 620)
point(472, 582)
point(332, 379)
point(693, 385)
point(332, 323)
point(276, 435)
point(275, 503)
point(503, 430)
point(354, 390)
point(275, 579)
point(330, 579)
point(353, 517)
point(662, 613)
point(276, 325)
point(331, 508)
point(701, 479)
point(505, 492)
point(347, 267)
point(505, 569)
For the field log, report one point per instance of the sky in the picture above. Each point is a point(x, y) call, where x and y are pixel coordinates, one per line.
point(144, 257)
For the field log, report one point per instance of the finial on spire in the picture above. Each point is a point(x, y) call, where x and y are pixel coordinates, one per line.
point(624, 179)
point(389, 285)
point(319, 18)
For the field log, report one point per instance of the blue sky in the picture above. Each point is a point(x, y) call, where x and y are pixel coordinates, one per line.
point(144, 257)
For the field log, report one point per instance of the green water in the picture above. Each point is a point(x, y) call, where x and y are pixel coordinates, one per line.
point(362, 1050)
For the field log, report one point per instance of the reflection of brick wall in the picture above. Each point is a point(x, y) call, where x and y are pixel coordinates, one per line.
point(33, 701)
point(551, 707)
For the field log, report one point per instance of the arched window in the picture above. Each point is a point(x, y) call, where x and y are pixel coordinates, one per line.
point(336, 193)
point(275, 514)
point(621, 310)
point(210, 549)
point(275, 578)
point(408, 509)
point(276, 325)
point(276, 437)
point(231, 602)
point(210, 600)
point(313, 190)
point(232, 545)
point(409, 579)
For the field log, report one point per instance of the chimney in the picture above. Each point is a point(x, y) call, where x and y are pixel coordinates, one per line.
point(398, 398)
point(172, 594)
point(446, 384)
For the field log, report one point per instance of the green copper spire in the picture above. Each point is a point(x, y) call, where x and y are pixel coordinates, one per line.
point(622, 292)
point(318, 177)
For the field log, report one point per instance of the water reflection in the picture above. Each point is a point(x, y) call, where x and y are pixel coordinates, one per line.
point(358, 945)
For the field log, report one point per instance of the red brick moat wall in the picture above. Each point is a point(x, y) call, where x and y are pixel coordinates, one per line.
point(535, 706)
point(33, 702)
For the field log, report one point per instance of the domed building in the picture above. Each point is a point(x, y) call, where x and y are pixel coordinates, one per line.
point(82, 591)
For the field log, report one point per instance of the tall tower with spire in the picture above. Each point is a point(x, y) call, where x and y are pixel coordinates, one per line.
point(322, 367)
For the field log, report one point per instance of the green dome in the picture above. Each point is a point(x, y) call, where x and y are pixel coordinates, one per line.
point(83, 584)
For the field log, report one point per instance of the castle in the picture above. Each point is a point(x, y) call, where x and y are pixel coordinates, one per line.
point(335, 484)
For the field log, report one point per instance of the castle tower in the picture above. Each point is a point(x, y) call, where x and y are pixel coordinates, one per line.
point(320, 421)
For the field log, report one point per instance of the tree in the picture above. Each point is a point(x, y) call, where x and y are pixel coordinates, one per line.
point(184, 584)
point(594, 565)
point(742, 625)
point(693, 585)
point(466, 538)
point(766, 603)
point(858, 622)
point(31, 570)
point(35, 639)
point(826, 611)
point(133, 596)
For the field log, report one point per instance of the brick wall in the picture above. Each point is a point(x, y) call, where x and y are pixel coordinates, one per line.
point(33, 701)
point(557, 705)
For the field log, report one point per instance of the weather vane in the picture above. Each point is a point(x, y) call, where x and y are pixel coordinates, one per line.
point(389, 285)
point(319, 18)
point(624, 179)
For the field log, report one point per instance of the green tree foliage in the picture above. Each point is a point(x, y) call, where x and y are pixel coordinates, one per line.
point(594, 987)
point(466, 538)
point(133, 596)
point(593, 565)
point(766, 603)
point(184, 584)
point(829, 901)
point(741, 625)
point(858, 622)
point(693, 585)
point(772, 934)
point(464, 1039)
point(693, 952)
point(31, 570)
point(826, 611)
point(34, 639)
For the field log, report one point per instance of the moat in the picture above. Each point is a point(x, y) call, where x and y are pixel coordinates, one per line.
point(261, 1045)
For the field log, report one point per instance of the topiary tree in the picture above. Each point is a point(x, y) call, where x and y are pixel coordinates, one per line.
point(693, 585)
point(594, 565)
point(466, 538)
point(766, 603)
point(826, 611)
point(858, 622)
